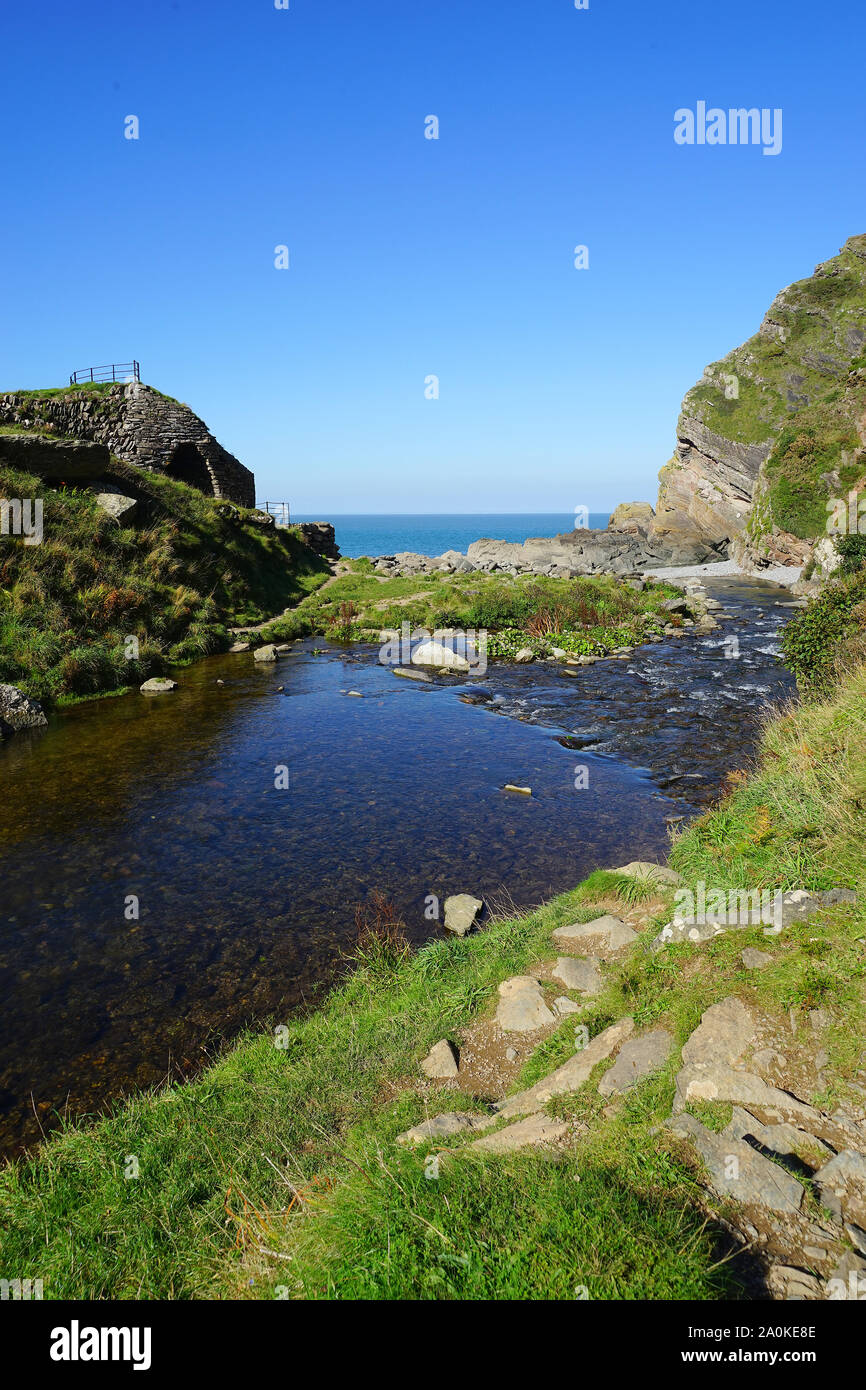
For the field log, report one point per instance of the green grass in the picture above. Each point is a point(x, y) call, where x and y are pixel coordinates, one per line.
point(518, 1228)
point(188, 568)
point(582, 616)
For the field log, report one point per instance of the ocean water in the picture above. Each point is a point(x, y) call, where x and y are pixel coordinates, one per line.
point(434, 534)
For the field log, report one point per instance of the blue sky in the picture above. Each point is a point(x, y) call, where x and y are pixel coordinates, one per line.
point(411, 257)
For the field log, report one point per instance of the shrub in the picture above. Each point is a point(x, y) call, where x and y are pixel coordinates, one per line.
point(813, 643)
point(853, 552)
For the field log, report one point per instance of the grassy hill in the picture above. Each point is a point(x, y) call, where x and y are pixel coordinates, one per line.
point(189, 568)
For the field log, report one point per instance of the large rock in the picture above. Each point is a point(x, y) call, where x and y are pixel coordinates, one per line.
point(18, 711)
point(120, 507)
point(737, 1172)
point(525, 1134)
point(521, 1007)
point(461, 912)
point(586, 552)
point(441, 1061)
point(266, 653)
point(578, 974)
point(841, 1185)
point(445, 1127)
point(440, 655)
point(786, 1140)
point(609, 931)
point(635, 518)
point(320, 537)
point(648, 872)
point(638, 1058)
point(797, 905)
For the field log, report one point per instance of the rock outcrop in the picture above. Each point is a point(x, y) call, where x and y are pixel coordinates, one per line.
point(18, 711)
point(623, 550)
point(810, 341)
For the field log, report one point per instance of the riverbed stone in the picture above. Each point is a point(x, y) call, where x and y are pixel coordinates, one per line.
point(158, 685)
point(240, 646)
point(265, 653)
point(525, 654)
point(441, 1061)
point(639, 1057)
point(612, 932)
point(409, 675)
point(738, 1172)
point(18, 711)
point(578, 974)
point(438, 654)
point(461, 911)
point(521, 1007)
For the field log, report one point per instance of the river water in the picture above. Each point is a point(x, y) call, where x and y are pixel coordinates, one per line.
point(246, 891)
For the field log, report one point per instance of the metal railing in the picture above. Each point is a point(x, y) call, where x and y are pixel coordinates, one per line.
point(115, 371)
point(280, 511)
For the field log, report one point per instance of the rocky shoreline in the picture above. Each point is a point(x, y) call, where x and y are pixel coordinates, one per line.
point(576, 554)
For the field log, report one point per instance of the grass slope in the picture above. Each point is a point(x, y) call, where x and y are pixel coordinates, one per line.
point(275, 1173)
point(176, 580)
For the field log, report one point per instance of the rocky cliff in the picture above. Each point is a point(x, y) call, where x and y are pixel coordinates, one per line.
point(776, 423)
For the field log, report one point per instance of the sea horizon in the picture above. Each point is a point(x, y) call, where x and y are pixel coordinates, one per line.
point(432, 533)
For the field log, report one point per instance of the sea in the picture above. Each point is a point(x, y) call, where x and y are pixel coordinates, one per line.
point(359, 534)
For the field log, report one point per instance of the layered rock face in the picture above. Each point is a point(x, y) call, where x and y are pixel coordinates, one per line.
point(808, 343)
point(141, 427)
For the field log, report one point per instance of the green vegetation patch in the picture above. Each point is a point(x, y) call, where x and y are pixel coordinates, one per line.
point(189, 567)
point(582, 616)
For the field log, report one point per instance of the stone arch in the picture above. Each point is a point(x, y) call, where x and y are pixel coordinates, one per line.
point(186, 465)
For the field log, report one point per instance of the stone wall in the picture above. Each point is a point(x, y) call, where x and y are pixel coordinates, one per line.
point(141, 427)
point(320, 537)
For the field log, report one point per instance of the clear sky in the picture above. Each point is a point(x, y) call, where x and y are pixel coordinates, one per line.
point(412, 257)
